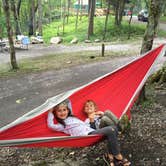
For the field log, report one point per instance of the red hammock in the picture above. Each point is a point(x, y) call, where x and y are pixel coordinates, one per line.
point(115, 91)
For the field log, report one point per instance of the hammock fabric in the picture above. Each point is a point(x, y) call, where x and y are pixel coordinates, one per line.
point(115, 91)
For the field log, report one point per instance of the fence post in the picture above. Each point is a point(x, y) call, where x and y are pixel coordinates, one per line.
point(102, 49)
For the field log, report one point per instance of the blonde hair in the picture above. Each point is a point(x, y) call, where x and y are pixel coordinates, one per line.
point(91, 101)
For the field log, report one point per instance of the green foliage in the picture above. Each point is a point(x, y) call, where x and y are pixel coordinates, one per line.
point(113, 33)
point(3, 32)
point(159, 76)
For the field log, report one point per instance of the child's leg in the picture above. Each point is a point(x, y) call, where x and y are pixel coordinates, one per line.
point(105, 121)
point(111, 116)
point(111, 133)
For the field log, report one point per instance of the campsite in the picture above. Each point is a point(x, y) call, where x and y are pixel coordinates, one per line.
point(110, 65)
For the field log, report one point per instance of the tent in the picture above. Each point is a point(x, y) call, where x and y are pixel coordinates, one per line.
point(115, 91)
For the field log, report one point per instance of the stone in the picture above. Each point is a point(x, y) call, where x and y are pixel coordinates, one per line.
point(97, 40)
point(74, 41)
point(56, 40)
point(87, 41)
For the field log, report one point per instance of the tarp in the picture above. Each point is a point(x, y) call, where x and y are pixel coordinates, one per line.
point(115, 91)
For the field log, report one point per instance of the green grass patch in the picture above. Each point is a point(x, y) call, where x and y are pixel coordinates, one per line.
point(113, 33)
point(163, 19)
point(58, 61)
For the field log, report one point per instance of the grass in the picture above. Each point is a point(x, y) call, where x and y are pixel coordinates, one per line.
point(113, 33)
point(163, 18)
point(58, 61)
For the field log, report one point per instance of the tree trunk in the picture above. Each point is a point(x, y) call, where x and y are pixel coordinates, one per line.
point(131, 9)
point(153, 21)
point(106, 19)
point(119, 8)
point(40, 17)
point(91, 17)
point(10, 34)
point(81, 10)
point(32, 17)
point(16, 18)
point(151, 30)
point(76, 24)
point(18, 7)
point(68, 10)
point(64, 16)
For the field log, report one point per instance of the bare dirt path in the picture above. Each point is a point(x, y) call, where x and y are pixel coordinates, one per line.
point(42, 49)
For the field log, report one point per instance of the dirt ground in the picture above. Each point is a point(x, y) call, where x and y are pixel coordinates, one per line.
point(143, 144)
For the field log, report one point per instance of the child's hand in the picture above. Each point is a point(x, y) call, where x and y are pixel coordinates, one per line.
point(100, 113)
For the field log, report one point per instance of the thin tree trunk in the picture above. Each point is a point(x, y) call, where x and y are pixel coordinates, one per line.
point(10, 34)
point(106, 19)
point(91, 18)
point(129, 32)
point(119, 8)
point(18, 7)
point(68, 10)
point(31, 17)
point(40, 17)
point(81, 10)
point(76, 25)
point(64, 16)
point(16, 18)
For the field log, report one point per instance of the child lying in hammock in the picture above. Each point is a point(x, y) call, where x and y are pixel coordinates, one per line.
point(98, 119)
point(69, 124)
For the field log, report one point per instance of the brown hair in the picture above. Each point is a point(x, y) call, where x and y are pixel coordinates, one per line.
point(90, 101)
point(61, 121)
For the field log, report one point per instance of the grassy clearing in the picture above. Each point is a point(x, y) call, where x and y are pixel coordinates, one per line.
point(59, 61)
point(113, 33)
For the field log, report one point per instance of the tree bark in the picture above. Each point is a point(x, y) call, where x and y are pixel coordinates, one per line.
point(76, 24)
point(119, 8)
point(68, 10)
point(32, 17)
point(40, 17)
point(16, 18)
point(91, 17)
point(10, 34)
point(106, 19)
point(155, 7)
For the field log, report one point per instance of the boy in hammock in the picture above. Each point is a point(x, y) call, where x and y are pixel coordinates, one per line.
point(98, 119)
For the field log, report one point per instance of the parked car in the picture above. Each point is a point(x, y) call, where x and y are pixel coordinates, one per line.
point(143, 15)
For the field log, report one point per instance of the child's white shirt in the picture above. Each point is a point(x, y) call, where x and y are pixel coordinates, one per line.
point(74, 126)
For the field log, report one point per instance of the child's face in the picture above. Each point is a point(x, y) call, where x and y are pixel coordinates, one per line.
point(62, 112)
point(89, 108)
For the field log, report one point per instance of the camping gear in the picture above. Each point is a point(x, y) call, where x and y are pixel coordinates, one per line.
point(115, 91)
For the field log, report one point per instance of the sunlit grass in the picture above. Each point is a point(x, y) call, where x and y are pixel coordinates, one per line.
point(113, 33)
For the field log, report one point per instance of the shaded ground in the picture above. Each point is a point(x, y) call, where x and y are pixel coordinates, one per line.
point(144, 144)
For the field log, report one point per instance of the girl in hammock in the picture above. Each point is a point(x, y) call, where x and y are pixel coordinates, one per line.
point(75, 127)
